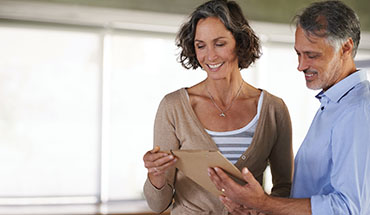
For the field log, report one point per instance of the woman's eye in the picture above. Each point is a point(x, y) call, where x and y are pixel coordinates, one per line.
point(200, 46)
point(220, 44)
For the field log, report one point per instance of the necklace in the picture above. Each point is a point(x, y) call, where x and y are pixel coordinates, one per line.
point(222, 114)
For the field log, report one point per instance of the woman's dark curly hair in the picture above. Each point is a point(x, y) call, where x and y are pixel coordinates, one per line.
point(229, 12)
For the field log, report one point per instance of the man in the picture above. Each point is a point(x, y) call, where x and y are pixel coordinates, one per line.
point(332, 166)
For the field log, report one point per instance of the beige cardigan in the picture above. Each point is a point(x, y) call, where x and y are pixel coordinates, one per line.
point(177, 127)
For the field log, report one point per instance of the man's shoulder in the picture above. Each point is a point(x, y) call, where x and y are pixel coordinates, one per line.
point(355, 108)
point(358, 96)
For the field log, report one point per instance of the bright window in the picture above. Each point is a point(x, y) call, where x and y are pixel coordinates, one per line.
point(144, 69)
point(49, 112)
point(77, 106)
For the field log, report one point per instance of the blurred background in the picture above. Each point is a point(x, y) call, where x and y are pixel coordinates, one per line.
point(80, 83)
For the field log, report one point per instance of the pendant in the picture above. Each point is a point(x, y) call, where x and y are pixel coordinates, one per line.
point(222, 114)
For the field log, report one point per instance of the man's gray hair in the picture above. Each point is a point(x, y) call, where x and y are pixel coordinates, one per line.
point(333, 20)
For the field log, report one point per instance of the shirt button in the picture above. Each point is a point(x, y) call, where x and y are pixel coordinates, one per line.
point(243, 157)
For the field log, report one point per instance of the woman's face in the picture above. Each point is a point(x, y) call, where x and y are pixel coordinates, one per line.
point(215, 48)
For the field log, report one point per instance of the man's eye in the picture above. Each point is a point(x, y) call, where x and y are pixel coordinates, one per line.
point(312, 56)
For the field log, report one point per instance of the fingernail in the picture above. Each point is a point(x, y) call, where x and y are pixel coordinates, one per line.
point(245, 170)
point(209, 172)
point(171, 156)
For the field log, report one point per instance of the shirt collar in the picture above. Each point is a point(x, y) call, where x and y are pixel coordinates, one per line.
point(336, 92)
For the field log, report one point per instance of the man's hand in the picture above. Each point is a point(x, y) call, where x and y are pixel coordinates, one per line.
point(236, 209)
point(251, 195)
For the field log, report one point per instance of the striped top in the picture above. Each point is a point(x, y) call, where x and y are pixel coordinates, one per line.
point(232, 144)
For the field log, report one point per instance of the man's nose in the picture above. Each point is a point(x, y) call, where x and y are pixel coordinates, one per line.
point(302, 64)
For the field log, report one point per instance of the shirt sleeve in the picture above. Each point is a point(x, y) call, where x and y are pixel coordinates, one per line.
point(164, 137)
point(281, 157)
point(350, 165)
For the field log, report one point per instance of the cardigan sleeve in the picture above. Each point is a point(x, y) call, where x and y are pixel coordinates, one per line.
point(164, 137)
point(281, 157)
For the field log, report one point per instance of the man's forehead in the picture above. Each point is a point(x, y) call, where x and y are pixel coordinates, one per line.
point(305, 35)
point(305, 42)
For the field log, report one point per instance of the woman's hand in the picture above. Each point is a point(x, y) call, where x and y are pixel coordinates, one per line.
point(157, 164)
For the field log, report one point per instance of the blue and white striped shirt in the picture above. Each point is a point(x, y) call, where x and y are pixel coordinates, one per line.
point(232, 144)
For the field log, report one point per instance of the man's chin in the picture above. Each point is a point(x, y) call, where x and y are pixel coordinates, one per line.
point(312, 86)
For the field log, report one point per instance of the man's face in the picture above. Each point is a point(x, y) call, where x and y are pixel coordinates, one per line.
point(318, 60)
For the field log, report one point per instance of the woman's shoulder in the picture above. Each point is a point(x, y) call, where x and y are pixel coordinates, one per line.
point(185, 93)
point(174, 98)
point(175, 95)
point(274, 105)
point(271, 98)
point(273, 102)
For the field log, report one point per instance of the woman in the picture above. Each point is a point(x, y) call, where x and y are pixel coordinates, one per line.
point(223, 112)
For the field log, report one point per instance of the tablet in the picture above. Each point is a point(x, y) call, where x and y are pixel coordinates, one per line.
point(195, 163)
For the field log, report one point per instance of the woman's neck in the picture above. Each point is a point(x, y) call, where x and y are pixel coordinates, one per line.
point(225, 90)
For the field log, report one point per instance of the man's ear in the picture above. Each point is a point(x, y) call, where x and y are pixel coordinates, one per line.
point(347, 47)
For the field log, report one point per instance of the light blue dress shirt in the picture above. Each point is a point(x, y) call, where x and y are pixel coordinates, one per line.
point(332, 166)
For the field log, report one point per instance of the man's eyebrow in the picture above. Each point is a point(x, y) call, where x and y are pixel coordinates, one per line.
point(311, 52)
point(307, 52)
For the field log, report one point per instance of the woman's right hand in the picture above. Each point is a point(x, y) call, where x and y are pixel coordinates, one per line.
point(157, 164)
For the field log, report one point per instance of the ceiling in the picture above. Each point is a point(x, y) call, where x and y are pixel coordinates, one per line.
point(276, 11)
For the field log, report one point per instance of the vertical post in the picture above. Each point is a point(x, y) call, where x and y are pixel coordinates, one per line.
point(105, 141)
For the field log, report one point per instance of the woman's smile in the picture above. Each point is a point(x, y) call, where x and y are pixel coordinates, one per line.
point(214, 66)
